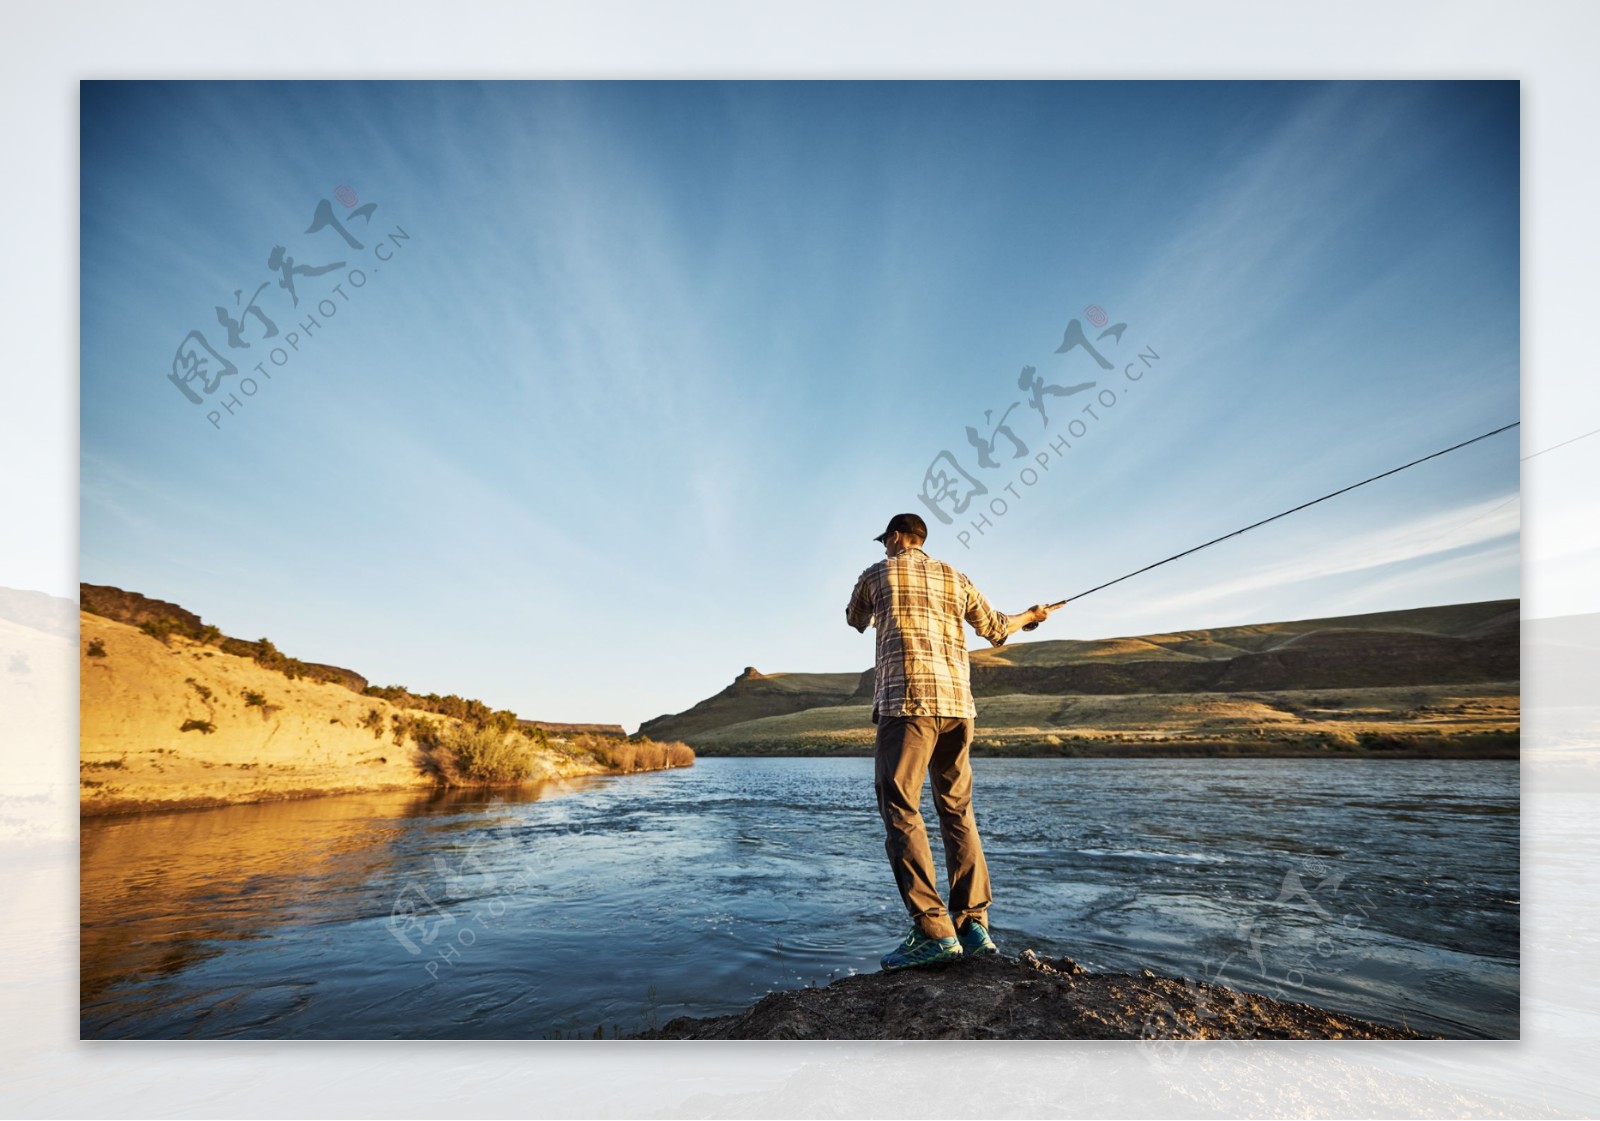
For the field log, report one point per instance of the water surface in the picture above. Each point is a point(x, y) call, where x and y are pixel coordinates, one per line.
point(1385, 888)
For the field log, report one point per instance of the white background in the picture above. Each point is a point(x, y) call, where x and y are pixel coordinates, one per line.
point(1550, 47)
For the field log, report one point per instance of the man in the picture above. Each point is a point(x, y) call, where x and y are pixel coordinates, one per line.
point(922, 705)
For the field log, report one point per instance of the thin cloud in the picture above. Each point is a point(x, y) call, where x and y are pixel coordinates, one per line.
point(1262, 231)
point(1432, 535)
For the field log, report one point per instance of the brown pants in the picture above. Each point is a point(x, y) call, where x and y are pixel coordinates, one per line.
point(910, 747)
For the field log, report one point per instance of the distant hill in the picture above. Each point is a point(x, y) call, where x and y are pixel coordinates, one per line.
point(1454, 655)
point(557, 729)
point(754, 694)
point(1459, 644)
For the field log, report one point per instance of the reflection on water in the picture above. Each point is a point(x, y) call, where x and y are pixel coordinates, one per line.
point(161, 894)
point(1384, 888)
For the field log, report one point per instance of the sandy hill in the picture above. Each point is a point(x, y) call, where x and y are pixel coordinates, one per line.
point(174, 714)
point(1449, 670)
point(161, 619)
point(172, 724)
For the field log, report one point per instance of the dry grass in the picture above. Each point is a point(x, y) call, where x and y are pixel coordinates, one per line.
point(642, 754)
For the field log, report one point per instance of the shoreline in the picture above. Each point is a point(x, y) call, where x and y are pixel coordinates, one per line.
point(129, 807)
point(1198, 750)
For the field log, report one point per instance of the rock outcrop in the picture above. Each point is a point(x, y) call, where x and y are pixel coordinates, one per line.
point(1026, 997)
point(138, 610)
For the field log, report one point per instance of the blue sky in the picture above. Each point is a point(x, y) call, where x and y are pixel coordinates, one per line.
point(621, 412)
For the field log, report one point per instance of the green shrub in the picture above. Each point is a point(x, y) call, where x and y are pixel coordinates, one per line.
point(204, 726)
point(1380, 741)
point(394, 694)
point(166, 626)
point(473, 712)
point(268, 656)
point(485, 755)
point(502, 720)
point(97, 649)
point(423, 731)
point(254, 699)
point(373, 721)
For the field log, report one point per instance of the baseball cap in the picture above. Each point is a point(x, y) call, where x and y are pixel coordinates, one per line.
point(908, 524)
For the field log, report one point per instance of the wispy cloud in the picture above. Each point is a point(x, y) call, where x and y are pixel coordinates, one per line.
point(1267, 225)
point(641, 327)
point(1434, 534)
point(1446, 579)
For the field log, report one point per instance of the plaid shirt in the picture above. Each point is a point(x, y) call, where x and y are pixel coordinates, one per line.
point(917, 604)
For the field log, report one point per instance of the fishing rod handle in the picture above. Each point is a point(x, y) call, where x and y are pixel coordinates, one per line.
point(1052, 606)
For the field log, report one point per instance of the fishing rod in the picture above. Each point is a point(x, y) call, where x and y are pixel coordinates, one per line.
point(1275, 517)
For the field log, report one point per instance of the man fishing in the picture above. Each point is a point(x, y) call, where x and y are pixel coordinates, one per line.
point(922, 705)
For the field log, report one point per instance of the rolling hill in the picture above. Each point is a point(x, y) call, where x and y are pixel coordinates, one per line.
point(1389, 677)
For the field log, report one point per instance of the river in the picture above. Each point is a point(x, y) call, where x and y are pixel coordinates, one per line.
point(1384, 888)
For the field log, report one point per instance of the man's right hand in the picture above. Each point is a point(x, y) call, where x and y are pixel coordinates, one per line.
point(1039, 612)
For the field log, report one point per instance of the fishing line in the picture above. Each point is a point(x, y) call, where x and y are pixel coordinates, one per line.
point(1302, 506)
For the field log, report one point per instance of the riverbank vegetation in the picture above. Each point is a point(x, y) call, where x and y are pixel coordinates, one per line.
point(1504, 743)
point(467, 755)
point(1441, 721)
point(638, 753)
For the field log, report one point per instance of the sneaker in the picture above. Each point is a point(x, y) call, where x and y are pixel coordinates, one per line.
point(919, 949)
point(975, 939)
